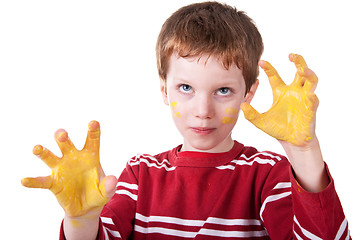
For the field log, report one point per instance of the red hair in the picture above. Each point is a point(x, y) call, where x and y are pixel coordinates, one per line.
point(213, 29)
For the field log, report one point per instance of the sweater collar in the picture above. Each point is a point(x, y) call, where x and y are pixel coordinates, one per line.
point(203, 159)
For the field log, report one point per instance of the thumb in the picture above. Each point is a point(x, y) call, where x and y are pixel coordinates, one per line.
point(108, 186)
point(252, 115)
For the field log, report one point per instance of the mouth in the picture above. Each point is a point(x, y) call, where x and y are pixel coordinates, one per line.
point(202, 130)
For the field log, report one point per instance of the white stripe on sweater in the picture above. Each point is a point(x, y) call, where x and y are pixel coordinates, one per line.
point(198, 223)
point(127, 185)
point(203, 231)
point(113, 233)
point(272, 198)
point(243, 162)
point(256, 158)
point(306, 232)
point(127, 193)
point(297, 235)
point(342, 229)
point(151, 164)
point(105, 233)
point(109, 221)
point(282, 185)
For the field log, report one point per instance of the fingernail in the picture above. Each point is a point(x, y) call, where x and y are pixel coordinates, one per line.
point(94, 124)
point(262, 63)
point(37, 150)
point(61, 135)
point(25, 182)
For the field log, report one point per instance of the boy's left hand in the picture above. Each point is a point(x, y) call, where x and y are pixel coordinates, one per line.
point(292, 115)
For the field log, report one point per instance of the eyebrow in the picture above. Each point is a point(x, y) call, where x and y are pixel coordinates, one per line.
point(184, 80)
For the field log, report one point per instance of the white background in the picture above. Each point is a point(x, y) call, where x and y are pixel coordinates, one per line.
point(64, 63)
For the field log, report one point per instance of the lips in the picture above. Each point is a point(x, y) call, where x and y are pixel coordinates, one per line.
point(202, 130)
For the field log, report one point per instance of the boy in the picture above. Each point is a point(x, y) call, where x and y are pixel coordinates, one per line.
point(210, 186)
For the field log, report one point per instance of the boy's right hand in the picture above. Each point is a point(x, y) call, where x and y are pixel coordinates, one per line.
point(77, 178)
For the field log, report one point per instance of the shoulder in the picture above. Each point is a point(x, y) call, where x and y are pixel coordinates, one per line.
point(249, 160)
point(250, 155)
point(272, 168)
point(160, 160)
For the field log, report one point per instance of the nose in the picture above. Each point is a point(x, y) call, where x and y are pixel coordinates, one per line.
point(203, 107)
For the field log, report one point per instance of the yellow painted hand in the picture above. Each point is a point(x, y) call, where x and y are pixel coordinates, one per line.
point(77, 179)
point(292, 115)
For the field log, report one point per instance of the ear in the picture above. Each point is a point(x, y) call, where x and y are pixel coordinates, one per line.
point(164, 91)
point(249, 96)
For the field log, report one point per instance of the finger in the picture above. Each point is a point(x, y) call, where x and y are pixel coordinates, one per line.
point(252, 115)
point(298, 60)
point(93, 137)
point(313, 102)
point(100, 171)
point(311, 80)
point(301, 67)
point(38, 182)
point(274, 78)
point(108, 186)
point(44, 154)
point(64, 142)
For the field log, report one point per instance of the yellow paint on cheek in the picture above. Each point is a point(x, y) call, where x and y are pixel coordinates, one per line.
point(230, 111)
point(174, 113)
point(228, 120)
point(172, 105)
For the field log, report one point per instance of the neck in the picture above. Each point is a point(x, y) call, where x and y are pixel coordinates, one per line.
point(224, 146)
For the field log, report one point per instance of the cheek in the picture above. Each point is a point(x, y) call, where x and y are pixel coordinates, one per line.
point(231, 111)
point(174, 110)
point(230, 115)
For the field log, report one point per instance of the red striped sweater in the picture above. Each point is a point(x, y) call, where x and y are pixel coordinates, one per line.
point(240, 194)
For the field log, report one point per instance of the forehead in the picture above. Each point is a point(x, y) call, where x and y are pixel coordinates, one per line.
point(208, 67)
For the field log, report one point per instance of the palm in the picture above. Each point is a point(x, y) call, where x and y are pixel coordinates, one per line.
point(76, 182)
point(292, 115)
point(75, 178)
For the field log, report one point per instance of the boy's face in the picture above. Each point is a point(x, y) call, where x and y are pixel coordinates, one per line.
point(205, 101)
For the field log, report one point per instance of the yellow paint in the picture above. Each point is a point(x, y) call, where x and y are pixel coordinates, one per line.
point(231, 111)
point(230, 120)
point(299, 187)
point(292, 115)
point(174, 113)
point(75, 178)
point(76, 223)
point(173, 104)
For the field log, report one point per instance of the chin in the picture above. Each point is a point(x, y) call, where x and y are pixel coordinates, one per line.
point(203, 145)
point(198, 145)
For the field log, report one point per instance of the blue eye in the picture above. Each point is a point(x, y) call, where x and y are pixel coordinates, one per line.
point(185, 88)
point(223, 91)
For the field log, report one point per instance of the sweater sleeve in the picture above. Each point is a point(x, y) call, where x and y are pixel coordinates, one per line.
point(290, 212)
point(117, 216)
point(318, 215)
